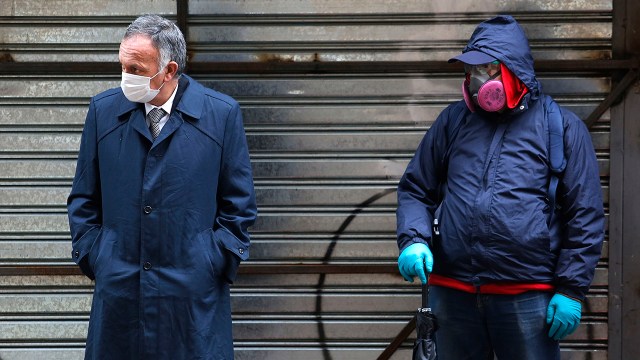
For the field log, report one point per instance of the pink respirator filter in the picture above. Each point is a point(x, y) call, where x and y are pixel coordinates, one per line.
point(491, 96)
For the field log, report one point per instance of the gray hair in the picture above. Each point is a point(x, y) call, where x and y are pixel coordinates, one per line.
point(165, 36)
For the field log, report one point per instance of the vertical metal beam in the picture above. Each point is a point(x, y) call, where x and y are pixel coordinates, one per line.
point(182, 14)
point(624, 229)
point(616, 196)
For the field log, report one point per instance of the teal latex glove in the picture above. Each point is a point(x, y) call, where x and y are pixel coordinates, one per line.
point(563, 314)
point(414, 260)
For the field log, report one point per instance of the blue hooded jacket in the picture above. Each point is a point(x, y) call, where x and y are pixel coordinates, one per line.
point(490, 182)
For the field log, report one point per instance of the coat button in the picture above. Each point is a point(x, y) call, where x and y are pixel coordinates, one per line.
point(146, 265)
point(147, 209)
point(241, 251)
point(77, 254)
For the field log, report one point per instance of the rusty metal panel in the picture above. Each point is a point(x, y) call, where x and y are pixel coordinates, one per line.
point(370, 88)
point(285, 141)
point(69, 30)
point(327, 152)
point(345, 294)
point(18, 114)
point(293, 310)
point(105, 9)
point(330, 131)
point(65, 319)
point(439, 8)
point(386, 30)
point(49, 353)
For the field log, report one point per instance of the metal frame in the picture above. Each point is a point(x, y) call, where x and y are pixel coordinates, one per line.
point(624, 229)
point(624, 205)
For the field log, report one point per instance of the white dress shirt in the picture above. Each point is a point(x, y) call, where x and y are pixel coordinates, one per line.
point(166, 107)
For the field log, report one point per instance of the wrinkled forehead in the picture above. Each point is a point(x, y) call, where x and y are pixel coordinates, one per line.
point(138, 48)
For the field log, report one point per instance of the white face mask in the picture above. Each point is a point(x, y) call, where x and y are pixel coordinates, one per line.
point(138, 88)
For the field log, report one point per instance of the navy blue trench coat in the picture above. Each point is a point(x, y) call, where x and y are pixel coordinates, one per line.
point(162, 226)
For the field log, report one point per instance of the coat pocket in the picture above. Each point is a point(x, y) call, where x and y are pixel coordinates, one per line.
point(214, 252)
point(95, 247)
point(96, 252)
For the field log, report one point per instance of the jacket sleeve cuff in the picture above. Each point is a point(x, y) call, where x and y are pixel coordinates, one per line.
point(406, 241)
point(571, 293)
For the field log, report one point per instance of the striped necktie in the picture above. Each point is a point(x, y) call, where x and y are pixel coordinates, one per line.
point(154, 117)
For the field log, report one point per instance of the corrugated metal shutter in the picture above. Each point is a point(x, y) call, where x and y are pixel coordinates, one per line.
point(327, 149)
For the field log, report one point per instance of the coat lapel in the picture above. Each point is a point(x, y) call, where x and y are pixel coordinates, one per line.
point(189, 101)
point(134, 113)
point(174, 122)
point(139, 123)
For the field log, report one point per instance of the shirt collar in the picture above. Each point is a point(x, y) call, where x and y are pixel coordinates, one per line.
point(166, 106)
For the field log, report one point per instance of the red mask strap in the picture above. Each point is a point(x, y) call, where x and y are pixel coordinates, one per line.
point(514, 88)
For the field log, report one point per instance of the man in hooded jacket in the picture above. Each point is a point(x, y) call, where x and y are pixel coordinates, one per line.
point(160, 205)
point(510, 267)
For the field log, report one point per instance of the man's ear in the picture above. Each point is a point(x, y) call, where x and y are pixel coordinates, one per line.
point(172, 69)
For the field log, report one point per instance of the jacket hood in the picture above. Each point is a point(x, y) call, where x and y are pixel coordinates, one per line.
point(503, 39)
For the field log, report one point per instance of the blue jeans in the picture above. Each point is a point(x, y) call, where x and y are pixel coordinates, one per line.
point(481, 326)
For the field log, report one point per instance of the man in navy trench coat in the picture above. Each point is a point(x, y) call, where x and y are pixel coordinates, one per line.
point(161, 223)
